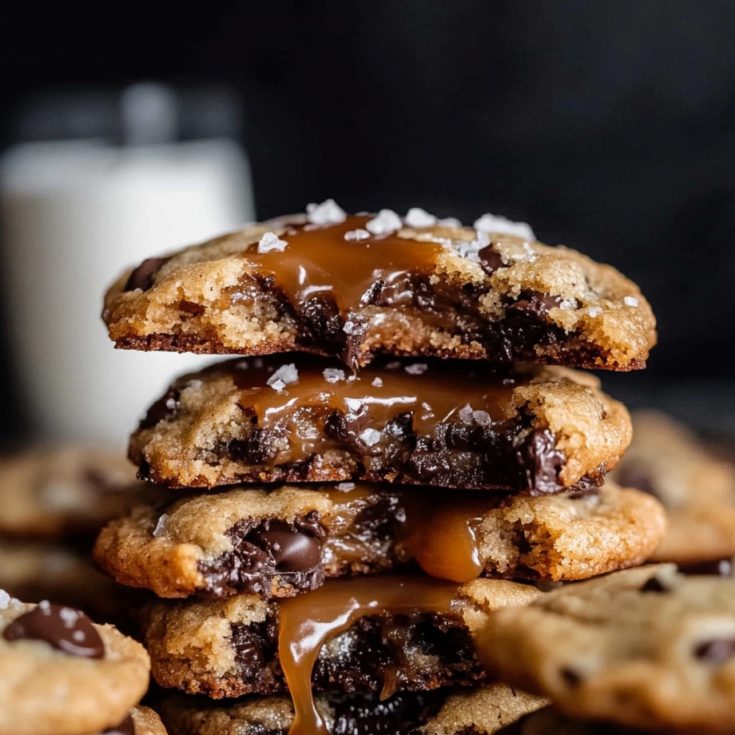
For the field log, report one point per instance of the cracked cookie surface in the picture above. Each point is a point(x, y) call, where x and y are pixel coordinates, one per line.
point(343, 287)
point(229, 648)
point(453, 425)
point(479, 711)
point(281, 542)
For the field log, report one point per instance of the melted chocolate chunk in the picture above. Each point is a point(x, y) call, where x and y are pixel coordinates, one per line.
point(654, 584)
point(490, 260)
point(534, 303)
point(322, 324)
point(142, 276)
point(64, 628)
point(163, 409)
point(403, 713)
point(541, 462)
point(718, 568)
point(716, 651)
point(271, 548)
point(126, 727)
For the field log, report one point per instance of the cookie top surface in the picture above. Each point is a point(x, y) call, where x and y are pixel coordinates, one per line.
point(280, 542)
point(361, 285)
point(444, 423)
point(411, 634)
point(65, 490)
point(480, 711)
point(647, 647)
point(60, 674)
point(697, 488)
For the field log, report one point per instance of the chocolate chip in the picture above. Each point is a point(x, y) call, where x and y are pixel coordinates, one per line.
point(570, 676)
point(535, 303)
point(322, 323)
point(540, 461)
point(64, 628)
point(404, 712)
point(293, 550)
point(162, 410)
point(490, 260)
point(142, 276)
point(189, 307)
point(719, 568)
point(716, 651)
point(654, 584)
point(126, 727)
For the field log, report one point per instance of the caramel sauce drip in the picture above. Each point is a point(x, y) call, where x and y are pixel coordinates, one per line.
point(318, 261)
point(372, 398)
point(308, 621)
point(440, 534)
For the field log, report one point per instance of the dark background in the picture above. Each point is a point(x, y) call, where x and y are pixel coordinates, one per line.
point(609, 126)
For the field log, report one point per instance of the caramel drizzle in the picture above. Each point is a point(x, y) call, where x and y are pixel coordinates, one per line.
point(375, 395)
point(318, 261)
point(308, 621)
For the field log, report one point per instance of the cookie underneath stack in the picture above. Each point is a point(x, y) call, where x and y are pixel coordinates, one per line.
point(342, 526)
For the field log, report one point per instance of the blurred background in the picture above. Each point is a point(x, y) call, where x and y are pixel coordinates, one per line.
point(609, 126)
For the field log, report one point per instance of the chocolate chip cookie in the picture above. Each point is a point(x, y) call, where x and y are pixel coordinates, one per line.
point(280, 542)
point(361, 285)
point(305, 419)
point(480, 711)
point(401, 633)
point(67, 490)
point(60, 674)
point(697, 488)
point(647, 647)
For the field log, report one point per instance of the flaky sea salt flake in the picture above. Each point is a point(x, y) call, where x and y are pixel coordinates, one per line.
point(417, 368)
point(326, 213)
point(417, 217)
point(345, 486)
point(333, 375)
point(283, 376)
point(503, 226)
point(160, 528)
point(370, 437)
point(631, 301)
point(594, 311)
point(384, 223)
point(377, 382)
point(358, 234)
point(270, 242)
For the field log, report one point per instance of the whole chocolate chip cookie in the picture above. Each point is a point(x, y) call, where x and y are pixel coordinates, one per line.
point(647, 647)
point(280, 542)
point(64, 491)
point(233, 647)
point(441, 423)
point(361, 285)
point(60, 674)
point(479, 711)
point(696, 487)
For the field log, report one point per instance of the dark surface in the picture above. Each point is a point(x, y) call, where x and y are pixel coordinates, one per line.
point(607, 125)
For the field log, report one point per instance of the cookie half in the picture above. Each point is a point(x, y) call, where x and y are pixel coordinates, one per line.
point(480, 711)
point(647, 647)
point(280, 542)
point(65, 491)
point(448, 424)
point(696, 487)
point(362, 285)
point(60, 674)
point(415, 634)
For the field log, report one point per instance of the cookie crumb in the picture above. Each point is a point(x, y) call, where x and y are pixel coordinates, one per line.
point(326, 213)
point(270, 242)
point(503, 226)
point(384, 223)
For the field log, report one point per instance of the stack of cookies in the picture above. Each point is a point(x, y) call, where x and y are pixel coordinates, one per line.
point(401, 450)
